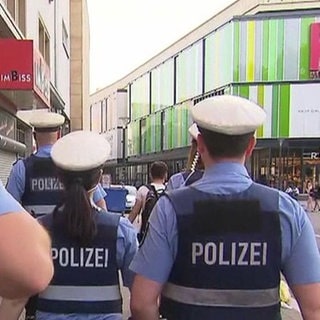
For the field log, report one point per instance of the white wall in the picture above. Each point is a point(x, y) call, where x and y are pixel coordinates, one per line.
point(59, 62)
point(63, 61)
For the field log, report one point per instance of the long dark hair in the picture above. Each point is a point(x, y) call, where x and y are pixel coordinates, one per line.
point(76, 215)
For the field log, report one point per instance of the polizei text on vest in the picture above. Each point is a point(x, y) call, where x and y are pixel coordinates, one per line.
point(46, 184)
point(81, 257)
point(236, 254)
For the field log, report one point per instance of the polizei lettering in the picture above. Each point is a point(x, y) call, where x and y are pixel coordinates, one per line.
point(81, 257)
point(238, 254)
point(46, 184)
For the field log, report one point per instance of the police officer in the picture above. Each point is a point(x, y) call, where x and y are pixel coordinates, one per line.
point(89, 246)
point(33, 180)
point(194, 170)
point(218, 246)
point(24, 246)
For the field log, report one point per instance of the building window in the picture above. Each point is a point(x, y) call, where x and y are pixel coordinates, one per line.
point(44, 42)
point(65, 39)
point(17, 9)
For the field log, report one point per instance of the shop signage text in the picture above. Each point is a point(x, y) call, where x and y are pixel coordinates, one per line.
point(16, 64)
point(311, 155)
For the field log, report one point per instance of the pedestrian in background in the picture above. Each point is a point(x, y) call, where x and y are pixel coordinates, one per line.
point(309, 188)
point(194, 169)
point(158, 177)
point(316, 197)
point(89, 246)
point(24, 247)
point(217, 248)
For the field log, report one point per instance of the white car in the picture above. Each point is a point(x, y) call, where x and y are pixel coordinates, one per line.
point(131, 197)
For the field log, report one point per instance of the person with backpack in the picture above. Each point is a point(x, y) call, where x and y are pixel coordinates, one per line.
point(194, 170)
point(147, 196)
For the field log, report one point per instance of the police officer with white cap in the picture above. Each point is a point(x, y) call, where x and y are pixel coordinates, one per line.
point(89, 246)
point(194, 170)
point(33, 180)
point(218, 246)
point(24, 246)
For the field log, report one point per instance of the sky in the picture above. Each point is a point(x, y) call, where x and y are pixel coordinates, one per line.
point(126, 33)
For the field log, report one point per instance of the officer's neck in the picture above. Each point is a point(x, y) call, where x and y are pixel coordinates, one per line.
point(213, 161)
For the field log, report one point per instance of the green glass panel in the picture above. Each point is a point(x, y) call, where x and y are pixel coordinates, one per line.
point(175, 127)
point(189, 72)
point(140, 97)
point(209, 61)
point(280, 51)
point(236, 51)
point(284, 116)
point(157, 134)
point(235, 90)
point(167, 129)
point(265, 50)
point(244, 91)
point(275, 111)
point(133, 138)
point(162, 86)
point(184, 125)
point(149, 135)
point(226, 54)
point(260, 100)
point(272, 59)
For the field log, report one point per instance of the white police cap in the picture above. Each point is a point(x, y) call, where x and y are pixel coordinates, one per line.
point(193, 130)
point(46, 120)
point(80, 151)
point(230, 115)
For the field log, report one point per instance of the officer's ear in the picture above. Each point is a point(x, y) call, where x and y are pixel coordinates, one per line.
point(201, 147)
point(250, 147)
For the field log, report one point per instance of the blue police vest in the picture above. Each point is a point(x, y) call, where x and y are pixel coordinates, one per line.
point(43, 190)
point(85, 279)
point(229, 256)
point(192, 176)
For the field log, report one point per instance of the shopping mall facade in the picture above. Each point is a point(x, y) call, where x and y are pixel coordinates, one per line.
point(267, 51)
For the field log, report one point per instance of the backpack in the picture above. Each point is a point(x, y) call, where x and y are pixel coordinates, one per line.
point(151, 199)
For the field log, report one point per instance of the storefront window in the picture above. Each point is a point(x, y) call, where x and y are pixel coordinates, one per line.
point(279, 167)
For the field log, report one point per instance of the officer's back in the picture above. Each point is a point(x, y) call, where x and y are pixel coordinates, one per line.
point(218, 247)
point(89, 246)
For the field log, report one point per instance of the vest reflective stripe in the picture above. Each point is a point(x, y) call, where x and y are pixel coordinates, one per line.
point(222, 297)
point(81, 293)
point(40, 209)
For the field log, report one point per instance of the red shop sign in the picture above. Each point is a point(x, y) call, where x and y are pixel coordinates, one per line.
point(315, 50)
point(16, 64)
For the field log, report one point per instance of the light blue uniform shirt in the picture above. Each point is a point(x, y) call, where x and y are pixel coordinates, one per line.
point(7, 202)
point(300, 256)
point(176, 181)
point(127, 247)
point(17, 177)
